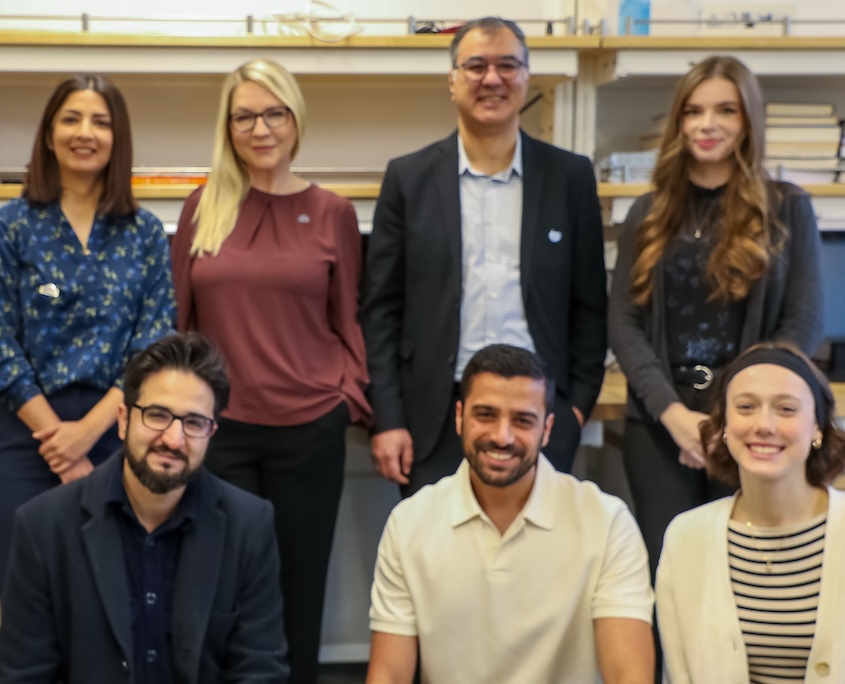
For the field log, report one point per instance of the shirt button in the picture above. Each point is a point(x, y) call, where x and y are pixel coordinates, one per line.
point(151, 598)
point(150, 541)
point(124, 665)
point(822, 669)
point(152, 655)
point(494, 295)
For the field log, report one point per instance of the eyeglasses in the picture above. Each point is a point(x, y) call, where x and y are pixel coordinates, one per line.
point(244, 122)
point(159, 419)
point(475, 70)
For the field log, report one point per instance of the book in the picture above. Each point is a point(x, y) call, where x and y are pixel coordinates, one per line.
point(799, 134)
point(798, 109)
point(802, 121)
point(805, 177)
point(805, 163)
point(802, 149)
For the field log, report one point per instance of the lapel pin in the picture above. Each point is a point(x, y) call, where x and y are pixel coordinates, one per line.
point(555, 235)
point(49, 290)
point(303, 218)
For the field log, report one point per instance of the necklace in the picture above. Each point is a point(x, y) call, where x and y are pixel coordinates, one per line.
point(767, 554)
point(701, 221)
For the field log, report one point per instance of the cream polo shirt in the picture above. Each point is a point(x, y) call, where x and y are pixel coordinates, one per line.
point(516, 608)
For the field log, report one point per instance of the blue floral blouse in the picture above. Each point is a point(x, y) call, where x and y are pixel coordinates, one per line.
point(70, 315)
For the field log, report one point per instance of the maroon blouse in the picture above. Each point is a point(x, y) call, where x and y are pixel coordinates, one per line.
point(281, 301)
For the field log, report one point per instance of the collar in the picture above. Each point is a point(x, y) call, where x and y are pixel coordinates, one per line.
point(503, 175)
point(539, 509)
point(185, 511)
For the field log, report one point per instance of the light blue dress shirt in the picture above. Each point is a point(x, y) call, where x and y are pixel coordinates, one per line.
point(492, 309)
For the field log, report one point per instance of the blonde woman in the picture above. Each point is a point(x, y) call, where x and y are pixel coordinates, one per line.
point(717, 258)
point(267, 265)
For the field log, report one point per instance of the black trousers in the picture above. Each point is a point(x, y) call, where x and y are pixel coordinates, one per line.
point(24, 473)
point(662, 487)
point(448, 451)
point(299, 469)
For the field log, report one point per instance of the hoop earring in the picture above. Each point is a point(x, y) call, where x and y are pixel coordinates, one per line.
point(817, 443)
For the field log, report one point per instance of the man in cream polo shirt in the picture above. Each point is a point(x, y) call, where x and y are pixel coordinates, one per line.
point(508, 571)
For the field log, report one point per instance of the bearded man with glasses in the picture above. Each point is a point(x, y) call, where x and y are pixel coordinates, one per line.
point(150, 570)
point(488, 236)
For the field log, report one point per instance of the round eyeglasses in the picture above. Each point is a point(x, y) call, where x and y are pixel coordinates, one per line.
point(474, 70)
point(159, 419)
point(243, 121)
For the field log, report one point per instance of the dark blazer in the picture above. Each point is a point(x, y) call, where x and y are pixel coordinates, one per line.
point(66, 612)
point(412, 293)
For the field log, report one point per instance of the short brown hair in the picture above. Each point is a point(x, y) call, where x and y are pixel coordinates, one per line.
point(823, 464)
point(42, 184)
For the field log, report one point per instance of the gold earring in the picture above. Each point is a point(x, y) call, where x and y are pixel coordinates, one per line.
point(817, 443)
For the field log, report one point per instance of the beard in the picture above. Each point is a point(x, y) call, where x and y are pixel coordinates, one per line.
point(159, 482)
point(500, 477)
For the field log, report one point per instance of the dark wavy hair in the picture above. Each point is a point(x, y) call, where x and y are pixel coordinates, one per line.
point(823, 465)
point(42, 184)
point(188, 352)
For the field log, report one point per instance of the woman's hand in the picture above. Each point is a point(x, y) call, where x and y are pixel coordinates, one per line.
point(66, 444)
point(77, 471)
point(683, 425)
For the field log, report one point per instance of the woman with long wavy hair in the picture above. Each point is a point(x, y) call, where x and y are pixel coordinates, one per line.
point(717, 258)
point(267, 265)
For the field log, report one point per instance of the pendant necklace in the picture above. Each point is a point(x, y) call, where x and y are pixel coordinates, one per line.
point(702, 221)
point(767, 554)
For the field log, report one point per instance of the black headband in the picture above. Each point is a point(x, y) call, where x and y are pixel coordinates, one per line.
point(786, 359)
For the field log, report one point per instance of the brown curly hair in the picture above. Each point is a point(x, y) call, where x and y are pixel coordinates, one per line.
point(748, 234)
point(823, 464)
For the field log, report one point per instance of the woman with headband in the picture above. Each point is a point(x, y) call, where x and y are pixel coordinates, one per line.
point(750, 588)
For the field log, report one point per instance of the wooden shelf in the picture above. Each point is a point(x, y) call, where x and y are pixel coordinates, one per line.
point(552, 57)
point(181, 191)
point(713, 43)
point(626, 190)
point(417, 41)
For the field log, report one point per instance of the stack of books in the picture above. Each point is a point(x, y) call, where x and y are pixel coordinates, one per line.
point(803, 142)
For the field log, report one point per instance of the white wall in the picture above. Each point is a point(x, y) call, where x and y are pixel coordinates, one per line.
point(262, 10)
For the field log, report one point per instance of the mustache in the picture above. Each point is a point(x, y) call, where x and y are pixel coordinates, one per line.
point(181, 455)
point(490, 445)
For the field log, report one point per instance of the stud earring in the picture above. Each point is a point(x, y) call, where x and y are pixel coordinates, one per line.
point(725, 437)
point(817, 443)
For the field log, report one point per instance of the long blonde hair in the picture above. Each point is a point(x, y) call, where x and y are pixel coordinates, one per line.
point(746, 241)
point(228, 181)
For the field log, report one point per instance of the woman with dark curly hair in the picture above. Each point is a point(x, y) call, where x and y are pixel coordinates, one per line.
point(717, 258)
point(749, 587)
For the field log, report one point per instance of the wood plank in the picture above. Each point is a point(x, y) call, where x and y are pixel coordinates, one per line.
point(416, 41)
point(181, 191)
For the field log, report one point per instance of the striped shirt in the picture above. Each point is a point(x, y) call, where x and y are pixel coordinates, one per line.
point(775, 576)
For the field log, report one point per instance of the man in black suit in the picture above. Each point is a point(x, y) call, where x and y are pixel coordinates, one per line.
point(486, 236)
point(150, 570)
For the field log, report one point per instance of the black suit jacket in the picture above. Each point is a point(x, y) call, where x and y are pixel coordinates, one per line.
point(66, 612)
point(412, 294)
